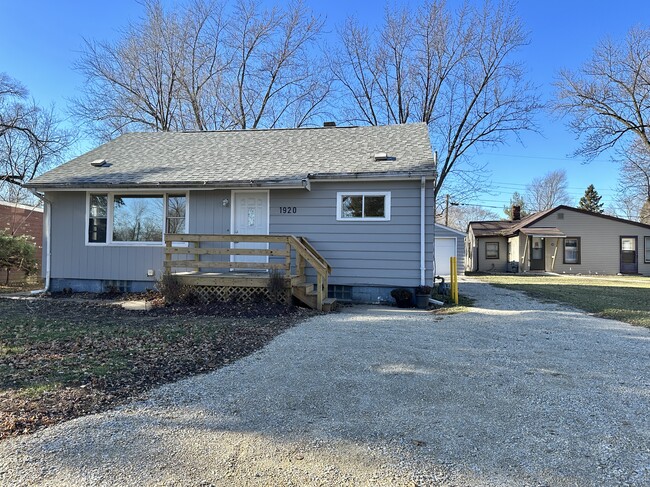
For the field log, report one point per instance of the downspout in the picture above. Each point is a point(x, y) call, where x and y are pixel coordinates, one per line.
point(47, 224)
point(423, 190)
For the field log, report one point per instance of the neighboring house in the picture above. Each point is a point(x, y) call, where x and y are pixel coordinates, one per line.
point(562, 239)
point(17, 219)
point(362, 197)
point(449, 243)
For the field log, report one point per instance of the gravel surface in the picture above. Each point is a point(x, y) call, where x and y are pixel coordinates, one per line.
point(516, 392)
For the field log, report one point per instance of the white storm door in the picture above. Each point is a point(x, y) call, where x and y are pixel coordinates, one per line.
point(250, 217)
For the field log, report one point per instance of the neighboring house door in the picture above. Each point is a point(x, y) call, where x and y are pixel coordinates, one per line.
point(445, 249)
point(537, 254)
point(629, 261)
point(250, 217)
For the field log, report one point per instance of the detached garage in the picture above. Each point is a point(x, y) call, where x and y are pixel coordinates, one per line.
point(449, 243)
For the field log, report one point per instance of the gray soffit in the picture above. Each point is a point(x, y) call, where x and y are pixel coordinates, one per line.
point(247, 158)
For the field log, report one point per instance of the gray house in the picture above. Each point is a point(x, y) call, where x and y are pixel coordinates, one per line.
point(563, 240)
point(353, 203)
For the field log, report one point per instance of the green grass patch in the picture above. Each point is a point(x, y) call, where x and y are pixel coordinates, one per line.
point(621, 298)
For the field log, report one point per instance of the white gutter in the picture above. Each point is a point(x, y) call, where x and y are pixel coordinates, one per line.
point(47, 224)
point(423, 190)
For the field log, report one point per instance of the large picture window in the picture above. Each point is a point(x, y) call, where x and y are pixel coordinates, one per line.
point(123, 218)
point(367, 206)
point(572, 250)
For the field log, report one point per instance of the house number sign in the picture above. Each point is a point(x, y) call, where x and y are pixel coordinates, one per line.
point(288, 209)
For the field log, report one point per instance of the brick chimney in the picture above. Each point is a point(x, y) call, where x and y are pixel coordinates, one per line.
point(516, 213)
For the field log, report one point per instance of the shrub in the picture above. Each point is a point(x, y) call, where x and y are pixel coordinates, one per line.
point(423, 290)
point(172, 289)
point(401, 294)
point(16, 252)
point(275, 285)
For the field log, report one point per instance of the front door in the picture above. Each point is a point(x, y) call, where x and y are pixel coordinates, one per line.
point(250, 217)
point(629, 261)
point(537, 254)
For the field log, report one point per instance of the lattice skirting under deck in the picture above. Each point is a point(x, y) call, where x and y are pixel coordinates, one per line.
point(208, 294)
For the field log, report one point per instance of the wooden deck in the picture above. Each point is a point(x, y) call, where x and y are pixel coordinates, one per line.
point(222, 263)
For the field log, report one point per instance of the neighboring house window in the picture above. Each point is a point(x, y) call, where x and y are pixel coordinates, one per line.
point(491, 250)
point(97, 218)
point(370, 206)
point(572, 250)
point(647, 250)
point(135, 218)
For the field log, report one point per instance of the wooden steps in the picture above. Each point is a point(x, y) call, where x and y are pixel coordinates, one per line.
point(307, 295)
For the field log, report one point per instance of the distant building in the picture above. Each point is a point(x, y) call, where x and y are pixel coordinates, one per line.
point(17, 219)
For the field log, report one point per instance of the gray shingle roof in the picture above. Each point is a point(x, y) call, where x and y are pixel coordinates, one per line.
point(240, 157)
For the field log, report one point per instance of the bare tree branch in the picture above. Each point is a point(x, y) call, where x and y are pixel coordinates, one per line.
point(608, 99)
point(453, 70)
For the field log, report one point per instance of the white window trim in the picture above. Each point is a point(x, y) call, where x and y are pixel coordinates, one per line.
point(646, 240)
point(387, 206)
point(109, 217)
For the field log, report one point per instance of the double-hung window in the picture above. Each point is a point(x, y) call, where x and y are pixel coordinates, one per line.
point(571, 250)
point(646, 249)
point(124, 218)
point(491, 250)
point(364, 206)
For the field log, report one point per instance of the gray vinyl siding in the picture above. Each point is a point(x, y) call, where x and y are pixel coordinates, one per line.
point(599, 242)
point(362, 253)
point(73, 259)
point(492, 265)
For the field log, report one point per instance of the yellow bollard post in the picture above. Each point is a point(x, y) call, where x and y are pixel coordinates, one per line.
point(454, 280)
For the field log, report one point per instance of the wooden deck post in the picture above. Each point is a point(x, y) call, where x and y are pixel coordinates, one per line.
point(287, 261)
point(319, 293)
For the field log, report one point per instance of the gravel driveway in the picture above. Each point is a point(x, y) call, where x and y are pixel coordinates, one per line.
point(516, 392)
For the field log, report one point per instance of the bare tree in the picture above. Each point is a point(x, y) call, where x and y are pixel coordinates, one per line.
point(454, 70)
point(461, 215)
point(624, 205)
point(30, 137)
point(195, 68)
point(608, 99)
point(547, 192)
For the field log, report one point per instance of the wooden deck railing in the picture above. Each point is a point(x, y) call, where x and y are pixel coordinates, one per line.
point(284, 247)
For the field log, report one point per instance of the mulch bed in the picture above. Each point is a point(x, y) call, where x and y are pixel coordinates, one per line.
point(64, 358)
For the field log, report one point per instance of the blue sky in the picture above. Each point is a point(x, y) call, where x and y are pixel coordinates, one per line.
point(41, 40)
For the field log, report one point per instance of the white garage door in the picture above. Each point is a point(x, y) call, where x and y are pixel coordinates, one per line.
point(445, 248)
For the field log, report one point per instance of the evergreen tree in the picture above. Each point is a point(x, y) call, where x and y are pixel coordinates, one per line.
point(591, 200)
point(515, 200)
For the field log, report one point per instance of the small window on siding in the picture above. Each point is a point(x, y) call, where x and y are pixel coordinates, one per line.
point(175, 218)
point(572, 250)
point(97, 218)
point(491, 250)
point(367, 206)
point(647, 250)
